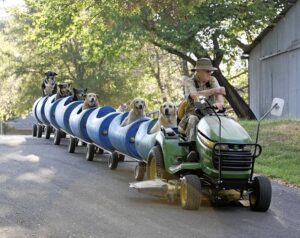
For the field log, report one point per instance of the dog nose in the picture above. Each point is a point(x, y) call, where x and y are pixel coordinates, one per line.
point(167, 111)
point(140, 107)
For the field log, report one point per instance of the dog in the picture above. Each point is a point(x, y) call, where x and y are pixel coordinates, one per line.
point(137, 111)
point(122, 108)
point(63, 91)
point(167, 117)
point(78, 94)
point(90, 100)
point(49, 85)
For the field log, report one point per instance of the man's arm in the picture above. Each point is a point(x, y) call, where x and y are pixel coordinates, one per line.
point(208, 92)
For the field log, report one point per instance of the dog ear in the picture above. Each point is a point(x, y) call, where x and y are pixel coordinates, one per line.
point(131, 105)
point(161, 109)
point(74, 90)
point(144, 104)
point(85, 90)
point(84, 96)
point(97, 96)
point(60, 85)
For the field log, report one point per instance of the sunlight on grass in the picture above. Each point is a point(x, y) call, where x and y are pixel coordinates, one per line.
point(281, 149)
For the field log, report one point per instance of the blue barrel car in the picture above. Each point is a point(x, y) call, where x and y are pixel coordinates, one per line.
point(36, 127)
point(123, 138)
point(97, 130)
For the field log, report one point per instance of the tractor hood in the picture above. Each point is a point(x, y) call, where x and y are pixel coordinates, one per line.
point(231, 131)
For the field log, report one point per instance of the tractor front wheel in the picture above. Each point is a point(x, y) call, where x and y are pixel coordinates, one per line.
point(190, 192)
point(260, 198)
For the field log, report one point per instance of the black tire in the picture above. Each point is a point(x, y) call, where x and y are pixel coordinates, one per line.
point(190, 192)
point(260, 198)
point(113, 160)
point(90, 152)
point(121, 158)
point(63, 134)
point(99, 151)
point(57, 137)
point(39, 130)
point(139, 171)
point(72, 144)
point(34, 130)
point(48, 131)
point(156, 165)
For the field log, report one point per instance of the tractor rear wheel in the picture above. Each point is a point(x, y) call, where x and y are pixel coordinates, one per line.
point(260, 198)
point(156, 165)
point(190, 192)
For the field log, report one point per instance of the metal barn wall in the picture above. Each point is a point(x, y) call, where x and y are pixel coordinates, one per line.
point(274, 67)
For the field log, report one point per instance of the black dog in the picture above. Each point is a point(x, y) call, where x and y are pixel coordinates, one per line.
point(49, 85)
point(63, 90)
point(78, 94)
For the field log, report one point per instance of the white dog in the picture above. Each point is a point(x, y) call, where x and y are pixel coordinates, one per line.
point(90, 100)
point(137, 110)
point(166, 118)
point(122, 108)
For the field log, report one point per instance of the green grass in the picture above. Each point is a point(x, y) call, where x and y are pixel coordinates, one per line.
point(280, 141)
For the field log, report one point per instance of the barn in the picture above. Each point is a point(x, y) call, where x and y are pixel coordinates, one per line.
point(274, 64)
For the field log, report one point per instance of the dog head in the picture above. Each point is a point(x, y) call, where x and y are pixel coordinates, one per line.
point(91, 99)
point(50, 79)
point(64, 89)
point(79, 93)
point(138, 105)
point(123, 107)
point(168, 109)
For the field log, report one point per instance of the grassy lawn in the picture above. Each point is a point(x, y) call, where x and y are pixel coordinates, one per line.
point(280, 141)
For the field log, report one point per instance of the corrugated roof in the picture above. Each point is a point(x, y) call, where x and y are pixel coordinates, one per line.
point(288, 5)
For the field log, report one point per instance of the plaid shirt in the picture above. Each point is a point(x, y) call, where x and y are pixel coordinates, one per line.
point(190, 87)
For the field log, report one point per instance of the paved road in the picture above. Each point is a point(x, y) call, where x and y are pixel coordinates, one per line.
point(47, 192)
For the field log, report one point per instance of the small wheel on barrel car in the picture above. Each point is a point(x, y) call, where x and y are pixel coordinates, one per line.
point(121, 158)
point(139, 171)
point(90, 152)
point(34, 130)
point(113, 160)
point(57, 137)
point(48, 131)
point(99, 151)
point(72, 144)
point(39, 130)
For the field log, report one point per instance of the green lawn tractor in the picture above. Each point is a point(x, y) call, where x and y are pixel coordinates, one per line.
point(225, 166)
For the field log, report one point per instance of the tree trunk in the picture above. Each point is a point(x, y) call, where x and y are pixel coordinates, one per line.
point(240, 107)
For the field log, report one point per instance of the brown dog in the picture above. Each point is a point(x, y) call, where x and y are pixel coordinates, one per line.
point(90, 100)
point(63, 90)
point(137, 110)
point(166, 118)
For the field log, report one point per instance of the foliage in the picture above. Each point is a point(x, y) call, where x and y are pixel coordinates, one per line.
point(280, 149)
point(108, 46)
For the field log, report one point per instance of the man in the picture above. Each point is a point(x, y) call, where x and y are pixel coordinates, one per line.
point(201, 84)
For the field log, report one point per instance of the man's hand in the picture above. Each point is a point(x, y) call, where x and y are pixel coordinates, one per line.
point(220, 90)
point(218, 105)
